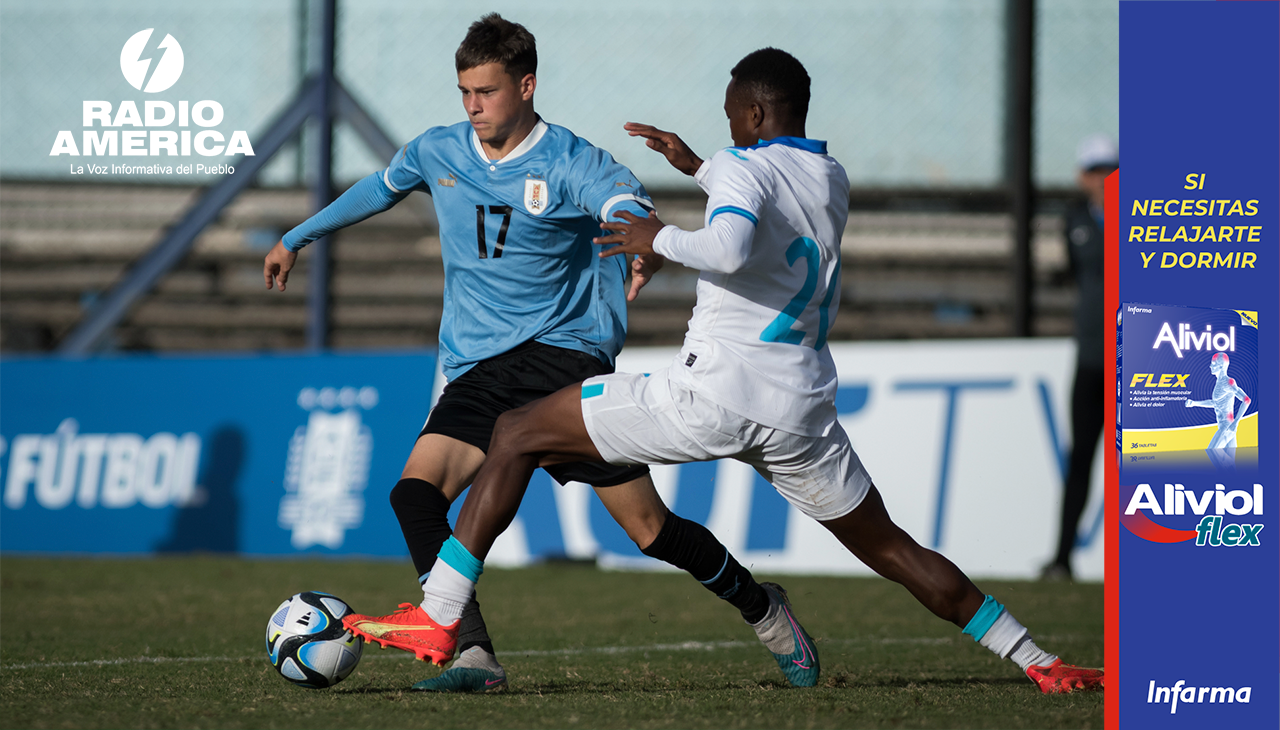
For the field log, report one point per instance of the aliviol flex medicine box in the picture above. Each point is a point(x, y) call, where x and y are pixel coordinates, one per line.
point(1186, 378)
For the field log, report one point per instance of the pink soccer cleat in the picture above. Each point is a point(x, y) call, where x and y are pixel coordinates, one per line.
point(409, 629)
point(1059, 678)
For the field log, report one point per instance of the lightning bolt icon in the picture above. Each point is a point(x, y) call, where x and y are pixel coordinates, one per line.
point(136, 62)
point(146, 57)
point(131, 62)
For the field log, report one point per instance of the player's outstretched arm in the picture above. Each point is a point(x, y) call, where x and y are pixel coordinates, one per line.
point(669, 144)
point(1199, 403)
point(632, 234)
point(723, 247)
point(279, 262)
point(367, 197)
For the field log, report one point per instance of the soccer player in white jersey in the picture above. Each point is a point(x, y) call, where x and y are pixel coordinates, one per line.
point(528, 309)
point(754, 381)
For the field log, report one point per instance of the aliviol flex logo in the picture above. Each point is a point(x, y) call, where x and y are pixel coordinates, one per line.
point(151, 66)
point(1212, 506)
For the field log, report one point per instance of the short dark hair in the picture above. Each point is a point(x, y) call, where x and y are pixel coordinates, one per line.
point(494, 39)
point(776, 78)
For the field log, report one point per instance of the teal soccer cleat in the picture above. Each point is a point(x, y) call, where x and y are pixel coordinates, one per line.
point(474, 671)
point(787, 640)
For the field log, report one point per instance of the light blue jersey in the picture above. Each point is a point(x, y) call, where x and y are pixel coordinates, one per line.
point(515, 236)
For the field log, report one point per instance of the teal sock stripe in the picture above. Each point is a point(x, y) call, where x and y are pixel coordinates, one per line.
point(981, 621)
point(453, 553)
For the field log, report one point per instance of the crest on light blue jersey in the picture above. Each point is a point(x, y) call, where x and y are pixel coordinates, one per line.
point(536, 196)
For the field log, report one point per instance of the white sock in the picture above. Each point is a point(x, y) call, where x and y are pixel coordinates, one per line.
point(774, 629)
point(1009, 639)
point(1003, 634)
point(445, 593)
point(1027, 654)
point(477, 658)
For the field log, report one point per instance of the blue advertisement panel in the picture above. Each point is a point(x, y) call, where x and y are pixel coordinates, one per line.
point(288, 456)
point(1199, 544)
point(258, 455)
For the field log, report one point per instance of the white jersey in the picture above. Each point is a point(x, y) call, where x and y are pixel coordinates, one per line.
point(770, 284)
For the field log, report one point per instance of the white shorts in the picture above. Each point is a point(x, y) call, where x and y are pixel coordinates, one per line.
point(647, 419)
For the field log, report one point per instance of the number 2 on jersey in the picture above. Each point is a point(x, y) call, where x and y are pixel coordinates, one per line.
point(505, 212)
point(782, 328)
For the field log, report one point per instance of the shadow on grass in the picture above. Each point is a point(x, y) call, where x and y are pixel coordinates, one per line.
point(903, 683)
point(398, 690)
point(837, 682)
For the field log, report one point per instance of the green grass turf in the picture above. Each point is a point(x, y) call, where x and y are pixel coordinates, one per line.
point(886, 661)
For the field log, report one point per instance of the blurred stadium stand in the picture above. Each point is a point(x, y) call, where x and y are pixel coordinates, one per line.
point(910, 96)
point(905, 274)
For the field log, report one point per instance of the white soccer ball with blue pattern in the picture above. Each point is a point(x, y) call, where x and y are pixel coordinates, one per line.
point(307, 643)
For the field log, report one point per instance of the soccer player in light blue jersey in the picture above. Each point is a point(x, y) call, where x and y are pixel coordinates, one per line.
point(528, 309)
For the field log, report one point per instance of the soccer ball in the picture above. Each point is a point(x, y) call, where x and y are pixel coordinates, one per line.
point(307, 643)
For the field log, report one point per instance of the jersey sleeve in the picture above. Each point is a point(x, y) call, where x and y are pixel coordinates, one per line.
point(406, 171)
point(735, 197)
point(366, 198)
point(732, 187)
point(601, 187)
point(721, 248)
point(373, 194)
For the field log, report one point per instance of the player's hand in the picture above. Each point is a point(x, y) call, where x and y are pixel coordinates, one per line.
point(670, 145)
point(635, 235)
point(1190, 404)
point(643, 268)
point(277, 265)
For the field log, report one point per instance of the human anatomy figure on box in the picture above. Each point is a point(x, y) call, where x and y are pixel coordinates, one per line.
point(1225, 393)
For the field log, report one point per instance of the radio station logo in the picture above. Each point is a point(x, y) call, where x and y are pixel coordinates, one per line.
point(135, 62)
point(1215, 507)
point(152, 128)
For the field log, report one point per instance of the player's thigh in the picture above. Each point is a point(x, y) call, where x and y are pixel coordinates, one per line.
point(452, 444)
point(821, 476)
point(550, 427)
point(446, 462)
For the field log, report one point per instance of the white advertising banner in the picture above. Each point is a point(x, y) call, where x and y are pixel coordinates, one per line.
point(966, 440)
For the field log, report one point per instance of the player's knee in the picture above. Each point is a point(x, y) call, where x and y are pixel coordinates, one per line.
point(643, 528)
point(511, 431)
point(401, 496)
point(506, 433)
point(411, 493)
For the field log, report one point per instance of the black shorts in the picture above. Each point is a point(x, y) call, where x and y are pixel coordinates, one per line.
point(471, 404)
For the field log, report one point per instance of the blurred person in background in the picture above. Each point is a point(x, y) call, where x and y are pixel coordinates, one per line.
point(1096, 157)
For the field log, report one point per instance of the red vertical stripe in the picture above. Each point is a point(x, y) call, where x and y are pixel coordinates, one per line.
point(1111, 579)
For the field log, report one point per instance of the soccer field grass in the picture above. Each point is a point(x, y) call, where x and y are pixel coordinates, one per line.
point(178, 642)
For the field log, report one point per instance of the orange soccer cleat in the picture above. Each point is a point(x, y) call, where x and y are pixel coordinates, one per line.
point(1059, 678)
point(409, 629)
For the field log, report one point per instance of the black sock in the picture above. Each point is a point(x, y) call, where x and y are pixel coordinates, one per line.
point(471, 629)
point(423, 512)
point(691, 547)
